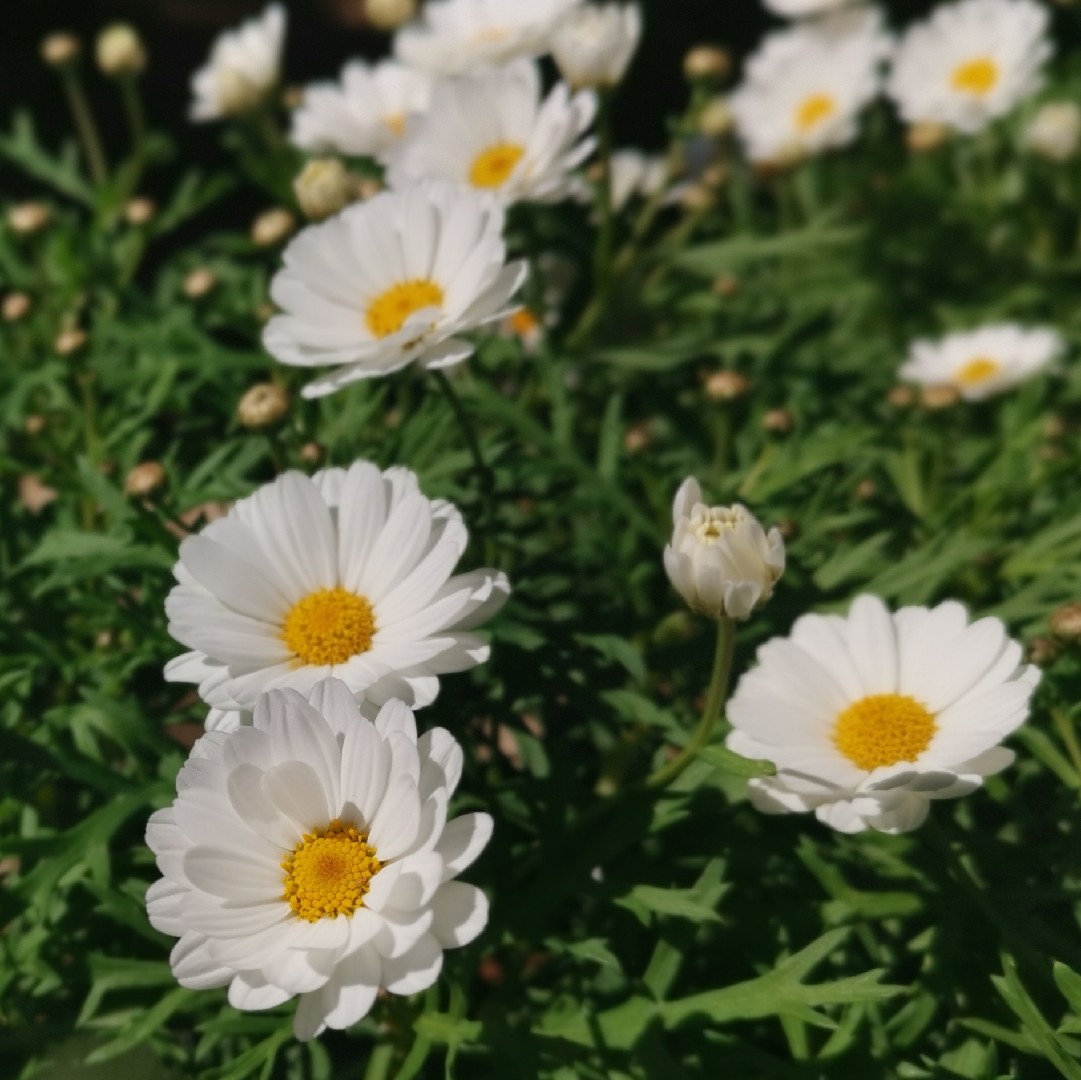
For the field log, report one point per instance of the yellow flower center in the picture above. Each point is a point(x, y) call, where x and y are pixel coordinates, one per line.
point(524, 323)
point(329, 626)
point(977, 77)
point(490, 35)
point(492, 168)
point(814, 110)
point(715, 523)
point(883, 729)
point(396, 123)
point(329, 872)
point(977, 371)
point(388, 311)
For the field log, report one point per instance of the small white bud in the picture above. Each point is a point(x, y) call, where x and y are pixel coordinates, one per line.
point(324, 187)
point(721, 560)
point(120, 51)
point(593, 46)
point(1054, 132)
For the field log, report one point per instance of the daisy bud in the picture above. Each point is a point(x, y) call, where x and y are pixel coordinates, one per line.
point(27, 218)
point(716, 120)
point(707, 63)
point(34, 424)
point(324, 187)
point(778, 421)
point(637, 439)
point(264, 404)
point(390, 14)
point(593, 45)
point(939, 397)
point(926, 136)
point(35, 494)
point(120, 52)
point(70, 342)
point(16, 306)
point(140, 211)
point(1066, 622)
point(59, 50)
point(721, 561)
point(272, 227)
point(145, 479)
point(1042, 651)
point(726, 386)
point(901, 397)
point(199, 282)
point(1054, 132)
point(312, 453)
point(866, 490)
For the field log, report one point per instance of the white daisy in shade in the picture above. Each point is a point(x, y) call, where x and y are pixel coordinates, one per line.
point(345, 574)
point(869, 717)
point(391, 281)
point(594, 45)
point(804, 89)
point(970, 62)
point(454, 36)
point(364, 113)
point(494, 132)
point(799, 9)
point(244, 67)
point(310, 856)
point(981, 363)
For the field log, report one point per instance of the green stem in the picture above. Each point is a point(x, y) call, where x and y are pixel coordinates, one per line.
point(133, 110)
point(602, 257)
point(85, 127)
point(715, 699)
point(1066, 732)
point(382, 1057)
point(484, 474)
point(90, 437)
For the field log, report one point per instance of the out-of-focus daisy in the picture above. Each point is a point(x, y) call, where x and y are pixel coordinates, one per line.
point(364, 113)
point(345, 574)
point(594, 45)
point(798, 9)
point(1054, 132)
point(869, 717)
point(635, 174)
point(392, 281)
point(981, 363)
point(721, 560)
point(970, 62)
point(455, 36)
point(310, 856)
point(805, 87)
point(494, 131)
point(244, 67)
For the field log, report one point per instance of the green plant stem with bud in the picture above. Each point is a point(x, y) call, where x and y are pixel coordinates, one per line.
point(716, 697)
point(85, 127)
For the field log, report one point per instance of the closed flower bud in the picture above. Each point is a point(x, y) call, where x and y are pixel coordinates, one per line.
point(140, 211)
point(1066, 622)
point(707, 63)
point(144, 480)
point(70, 342)
point(939, 397)
point(727, 286)
point(199, 282)
point(16, 306)
point(312, 453)
point(726, 385)
point(901, 397)
point(120, 51)
point(59, 50)
point(262, 405)
point(594, 45)
point(721, 560)
point(637, 438)
point(926, 136)
point(35, 494)
point(778, 421)
point(1042, 651)
point(29, 217)
point(34, 424)
point(324, 187)
point(390, 14)
point(272, 227)
point(716, 120)
point(1054, 132)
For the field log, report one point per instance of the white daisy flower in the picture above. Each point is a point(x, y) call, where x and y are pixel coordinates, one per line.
point(871, 716)
point(721, 560)
point(594, 45)
point(244, 66)
point(344, 574)
point(799, 9)
point(456, 36)
point(391, 281)
point(970, 62)
point(981, 363)
point(804, 89)
point(493, 131)
point(310, 856)
point(365, 113)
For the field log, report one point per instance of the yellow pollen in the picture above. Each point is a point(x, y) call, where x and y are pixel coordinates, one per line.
point(977, 77)
point(490, 35)
point(814, 110)
point(329, 626)
point(524, 323)
point(493, 167)
point(883, 729)
point(388, 311)
point(977, 371)
point(329, 872)
point(396, 123)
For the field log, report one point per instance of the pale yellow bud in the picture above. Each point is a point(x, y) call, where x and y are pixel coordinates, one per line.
point(140, 211)
point(144, 479)
point(120, 51)
point(727, 386)
point(390, 14)
point(59, 50)
point(1054, 132)
point(939, 397)
point(30, 217)
point(324, 187)
point(778, 421)
point(901, 397)
point(1066, 622)
point(34, 424)
point(70, 342)
point(716, 120)
point(707, 63)
point(264, 404)
point(312, 453)
point(199, 282)
point(16, 306)
point(272, 227)
point(926, 136)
